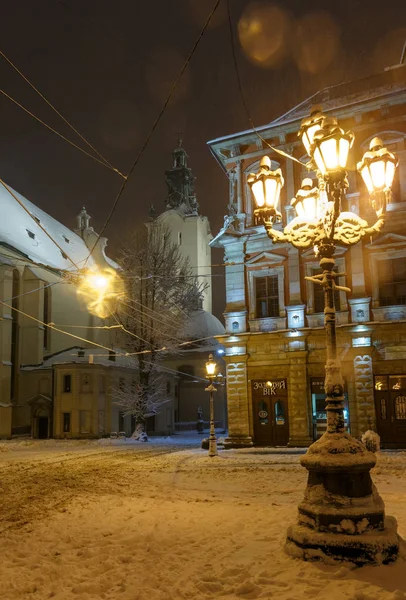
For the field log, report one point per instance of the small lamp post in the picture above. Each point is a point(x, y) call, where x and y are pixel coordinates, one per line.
point(342, 515)
point(211, 374)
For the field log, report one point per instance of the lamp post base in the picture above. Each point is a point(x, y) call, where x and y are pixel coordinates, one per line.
point(342, 516)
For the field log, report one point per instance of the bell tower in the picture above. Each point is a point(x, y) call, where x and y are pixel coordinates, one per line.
point(180, 182)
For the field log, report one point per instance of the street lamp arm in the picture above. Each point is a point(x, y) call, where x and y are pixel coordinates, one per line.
point(350, 228)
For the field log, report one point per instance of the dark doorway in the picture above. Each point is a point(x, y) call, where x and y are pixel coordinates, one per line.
point(43, 428)
point(390, 405)
point(270, 412)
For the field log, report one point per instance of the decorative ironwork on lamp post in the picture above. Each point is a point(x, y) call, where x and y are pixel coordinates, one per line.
point(342, 515)
point(211, 374)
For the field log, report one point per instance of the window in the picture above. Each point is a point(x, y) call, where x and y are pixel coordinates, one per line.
point(267, 296)
point(66, 422)
point(392, 281)
point(30, 234)
point(179, 238)
point(67, 383)
point(84, 421)
point(318, 292)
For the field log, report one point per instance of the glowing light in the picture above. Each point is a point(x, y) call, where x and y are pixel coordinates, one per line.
point(101, 291)
point(210, 367)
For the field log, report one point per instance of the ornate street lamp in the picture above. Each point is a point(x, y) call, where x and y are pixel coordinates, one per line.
point(378, 170)
point(342, 515)
point(267, 185)
point(211, 374)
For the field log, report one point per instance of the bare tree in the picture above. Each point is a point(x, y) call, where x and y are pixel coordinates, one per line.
point(161, 293)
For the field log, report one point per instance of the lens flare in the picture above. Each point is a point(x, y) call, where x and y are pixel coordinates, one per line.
point(101, 291)
point(316, 42)
point(262, 31)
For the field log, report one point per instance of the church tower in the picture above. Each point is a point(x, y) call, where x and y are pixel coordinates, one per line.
point(190, 230)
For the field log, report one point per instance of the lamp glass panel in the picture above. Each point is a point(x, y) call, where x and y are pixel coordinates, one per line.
point(210, 368)
point(367, 178)
point(344, 150)
point(377, 170)
point(300, 211)
point(319, 161)
point(271, 192)
point(258, 191)
point(390, 173)
point(310, 207)
point(329, 150)
point(308, 136)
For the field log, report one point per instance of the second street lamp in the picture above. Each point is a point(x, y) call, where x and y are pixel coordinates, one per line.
point(211, 374)
point(342, 515)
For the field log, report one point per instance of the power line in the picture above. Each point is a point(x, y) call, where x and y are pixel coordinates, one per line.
point(242, 94)
point(105, 161)
point(156, 122)
point(60, 134)
point(110, 350)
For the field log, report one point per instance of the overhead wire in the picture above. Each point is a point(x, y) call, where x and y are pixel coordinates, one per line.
point(63, 252)
point(155, 124)
point(72, 335)
point(60, 134)
point(243, 98)
point(103, 159)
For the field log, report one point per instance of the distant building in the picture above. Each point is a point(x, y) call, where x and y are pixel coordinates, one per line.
point(49, 386)
point(191, 233)
point(274, 318)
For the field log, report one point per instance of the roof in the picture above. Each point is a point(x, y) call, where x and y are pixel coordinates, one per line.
point(22, 232)
point(202, 324)
point(78, 355)
point(343, 94)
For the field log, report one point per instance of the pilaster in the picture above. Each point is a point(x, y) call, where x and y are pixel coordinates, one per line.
point(299, 426)
point(237, 402)
point(363, 417)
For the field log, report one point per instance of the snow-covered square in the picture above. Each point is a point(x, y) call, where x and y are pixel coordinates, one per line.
point(115, 519)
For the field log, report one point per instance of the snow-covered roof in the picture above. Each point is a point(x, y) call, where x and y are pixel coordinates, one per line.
point(202, 324)
point(22, 232)
point(81, 356)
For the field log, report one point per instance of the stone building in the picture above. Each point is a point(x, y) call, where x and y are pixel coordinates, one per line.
point(275, 344)
point(48, 386)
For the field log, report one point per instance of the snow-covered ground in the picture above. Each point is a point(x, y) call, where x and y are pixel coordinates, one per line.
point(158, 521)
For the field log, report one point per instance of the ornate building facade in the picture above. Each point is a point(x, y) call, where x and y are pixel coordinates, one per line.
point(275, 346)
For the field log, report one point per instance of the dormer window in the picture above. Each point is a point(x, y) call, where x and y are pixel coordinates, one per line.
point(36, 219)
point(66, 239)
point(30, 234)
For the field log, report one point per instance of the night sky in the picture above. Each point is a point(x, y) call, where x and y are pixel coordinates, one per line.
point(108, 66)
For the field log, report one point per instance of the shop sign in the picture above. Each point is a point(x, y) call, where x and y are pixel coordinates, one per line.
point(269, 387)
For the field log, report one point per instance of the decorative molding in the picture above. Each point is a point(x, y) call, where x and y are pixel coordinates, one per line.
point(265, 257)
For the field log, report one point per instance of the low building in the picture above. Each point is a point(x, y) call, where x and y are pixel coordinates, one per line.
point(275, 342)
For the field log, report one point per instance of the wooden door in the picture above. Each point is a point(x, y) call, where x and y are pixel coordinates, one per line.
point(390, 404)
point(270, 412)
